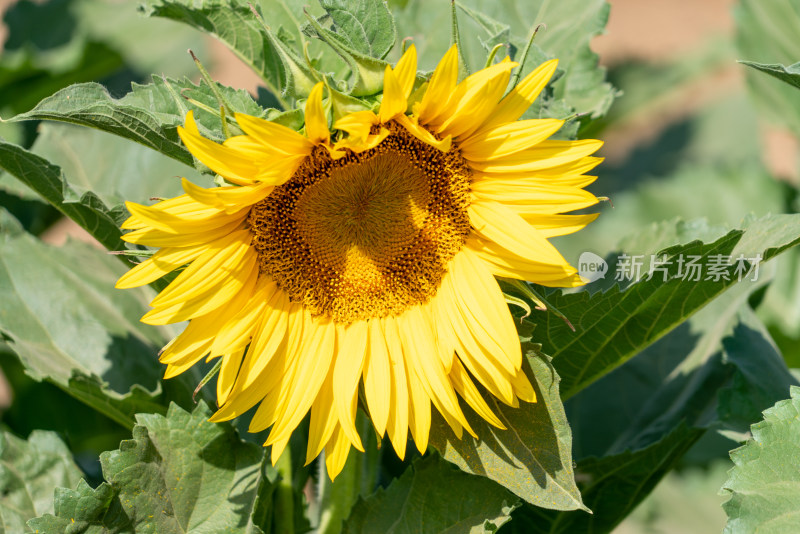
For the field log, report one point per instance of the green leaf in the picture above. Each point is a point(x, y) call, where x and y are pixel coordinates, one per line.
point(790, 74)
point(533, 457)
point(766, 33)
point(432, 496)
point(114, 169)
point(178, 474)
point(147, 115)
point(764, 483)
point(69, 325)
point(29, 470)
point(366, 26)
point(716, 371)
point(611, 486)
point(615, 324)
point(48, 181)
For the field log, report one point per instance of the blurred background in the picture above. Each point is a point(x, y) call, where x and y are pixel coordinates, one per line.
point(686, 138)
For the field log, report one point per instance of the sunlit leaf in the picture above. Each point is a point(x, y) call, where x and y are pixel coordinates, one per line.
point(29, 470)
point(178, 474)
point(432, 496)
point(533, 456)
point(764, 484)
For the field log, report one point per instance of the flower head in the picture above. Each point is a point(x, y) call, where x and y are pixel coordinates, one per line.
point(368, 255)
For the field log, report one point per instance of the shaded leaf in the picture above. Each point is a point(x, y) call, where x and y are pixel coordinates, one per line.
point(179, 473)
point(29, 470)
point(611, 486)
point(62, 316)
point(533, 456)
point(615, 324)
point(764, 483)
point(432, 497)
point(48, 181)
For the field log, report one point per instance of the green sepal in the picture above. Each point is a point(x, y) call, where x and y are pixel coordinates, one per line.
point(367, 70)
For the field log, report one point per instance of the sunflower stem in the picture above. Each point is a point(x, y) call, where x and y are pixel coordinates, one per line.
point(359, 476)
point(284, 494)
point(225, 131)
point(518, 72)
point(211, 374)
point(214, 89)
point(455, 39)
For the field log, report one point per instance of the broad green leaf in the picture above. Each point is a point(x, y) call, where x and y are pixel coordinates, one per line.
point(611, 486)
point(764, 483)
point(178, 474)
point(114, 169)
point(49, 182)
point(234, 24)
point(615, 324)
point(716, 371)
point(533, 457)
point(29, 470)
point(571, 24)
point(366, 26)
point(62, 315)
point(147, 115)
point(790, 74)
point(766, 32)
point(432, 496)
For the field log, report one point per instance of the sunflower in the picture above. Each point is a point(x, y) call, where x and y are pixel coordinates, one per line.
point(366, 254)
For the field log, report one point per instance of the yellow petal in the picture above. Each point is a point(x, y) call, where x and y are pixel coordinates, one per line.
point(465, 387)
point(555, 225)
point(237, 330)
point(311, 367)
point(406, 70)
point(208, 271)
point(176, 224)
point(208, 301)
point(482, 305)
point(357, 124)
point(475, 99)
point(159, 238)
point(323, 419)
point(423, 134)
point(227, 374)
point(545, 155)
point(336, 452)
point(228, 199)
point(162, 262)
point(495, 222)
point(274, 135)
point(508, 139)
point(394, 101)
point(397, 426)
point(316, 118)
point(529, 197)
point(350, 356)
point(505, 263)
point(235, 166)
point(440, 87)
point(378, 378)
point(521, 97)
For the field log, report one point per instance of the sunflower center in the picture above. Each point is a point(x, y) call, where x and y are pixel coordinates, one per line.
point(367, 235)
